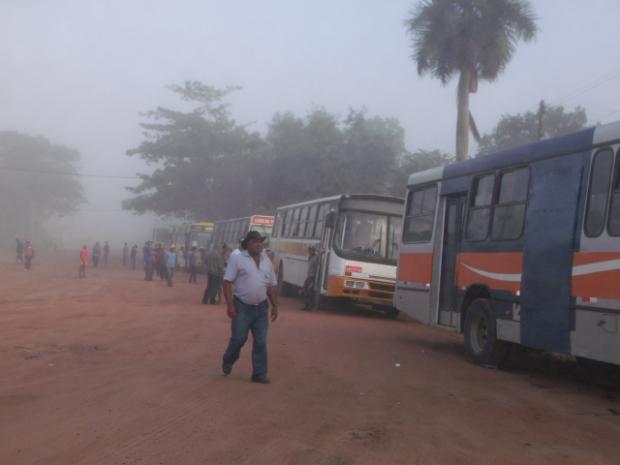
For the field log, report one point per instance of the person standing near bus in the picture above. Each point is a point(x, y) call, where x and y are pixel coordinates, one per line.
point(215, 273)
point(83, 261)
point(96, 254)
point(106, 252)
point(28, 256)
point(170, 259)
point(133, 255)
point(125, 254)
point(255, 283)
point(313, 269)
point(193, 264)
point(148, 264)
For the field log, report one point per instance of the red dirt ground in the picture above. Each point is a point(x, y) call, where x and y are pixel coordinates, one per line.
point(113, 370)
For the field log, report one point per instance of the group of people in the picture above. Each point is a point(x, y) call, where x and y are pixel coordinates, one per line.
point(129, 256)
point(161, 260)
point(245, 277)
point(24, 253)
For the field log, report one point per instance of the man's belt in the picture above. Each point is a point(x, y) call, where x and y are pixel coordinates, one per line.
point(250, 305)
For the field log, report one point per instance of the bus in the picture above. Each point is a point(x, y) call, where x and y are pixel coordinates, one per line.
point(199, 235)
point(357, 239)
point(231, 230)
point(521, 247)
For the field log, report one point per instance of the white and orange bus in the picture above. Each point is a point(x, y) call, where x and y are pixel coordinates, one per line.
point(357, 239)
point(231, 230)
point(522, 247)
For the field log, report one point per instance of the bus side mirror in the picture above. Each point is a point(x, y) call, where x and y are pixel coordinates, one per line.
point(330, 220)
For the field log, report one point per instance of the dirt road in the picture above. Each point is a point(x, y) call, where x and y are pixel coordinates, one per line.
point(113, 370)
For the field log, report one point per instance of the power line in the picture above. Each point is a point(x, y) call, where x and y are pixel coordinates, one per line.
point(66, 173)
point(599, 81)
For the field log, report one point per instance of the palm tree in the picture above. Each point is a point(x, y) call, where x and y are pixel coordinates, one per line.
point(472, 38)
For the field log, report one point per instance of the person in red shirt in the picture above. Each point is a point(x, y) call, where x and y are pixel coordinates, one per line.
point(83, 261)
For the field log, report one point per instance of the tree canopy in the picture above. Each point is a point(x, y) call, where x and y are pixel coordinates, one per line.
point(514, 130)
point(207, 166)
point(37, 181)
point(470, 38)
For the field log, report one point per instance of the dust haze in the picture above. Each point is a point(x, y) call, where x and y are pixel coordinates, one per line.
point(81, 74)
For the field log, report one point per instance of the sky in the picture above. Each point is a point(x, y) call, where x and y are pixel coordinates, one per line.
point(80, 72)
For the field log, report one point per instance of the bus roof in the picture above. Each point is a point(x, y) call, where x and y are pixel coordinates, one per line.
point(386, 198)
point(558, 146)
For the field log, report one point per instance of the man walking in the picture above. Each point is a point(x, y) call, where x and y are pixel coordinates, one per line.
point(96, 254)
point(215, 273)
point(148, 263)
point(125, 254)
point(28, 256)
point(254, 281)
point(106, 252)
point(170, 260)
point(193, 263)
point(83, 261)
point(134, 256)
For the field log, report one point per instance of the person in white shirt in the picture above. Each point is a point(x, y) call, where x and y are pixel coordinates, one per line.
point(255, 283)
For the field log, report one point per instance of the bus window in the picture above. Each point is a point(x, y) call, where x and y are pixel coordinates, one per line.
point(295, 223)
point(288, 221)
point(509, 212)
point(320, 220)
point(362, 235)
point(311, 221)
point(276, 224)
point(480, 208)
point(598, 193)
point(302, 222)
point(614, 212)
point(420, 215)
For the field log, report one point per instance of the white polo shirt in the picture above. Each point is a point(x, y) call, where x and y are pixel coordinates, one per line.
point(251, 281)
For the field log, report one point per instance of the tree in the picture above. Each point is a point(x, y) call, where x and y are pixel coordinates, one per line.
point(472, 38)
point(200, 157)
point(37, 181)
point(419, 160)
point(519, 129)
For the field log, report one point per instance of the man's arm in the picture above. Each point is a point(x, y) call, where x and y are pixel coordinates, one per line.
point(272, 293)
point(228, 296)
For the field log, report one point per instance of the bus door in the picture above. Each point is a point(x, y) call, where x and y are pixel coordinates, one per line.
point(453, 225)
point(324, 252)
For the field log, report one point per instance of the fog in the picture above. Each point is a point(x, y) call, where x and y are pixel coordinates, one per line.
point(80, 73)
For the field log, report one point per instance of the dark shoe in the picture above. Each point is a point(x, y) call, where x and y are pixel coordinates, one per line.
point(226, 368)
point(260, 379)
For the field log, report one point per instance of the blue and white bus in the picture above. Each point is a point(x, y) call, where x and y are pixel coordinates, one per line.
point(522, 246)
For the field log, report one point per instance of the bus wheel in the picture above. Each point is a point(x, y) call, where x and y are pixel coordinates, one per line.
point(481, 343)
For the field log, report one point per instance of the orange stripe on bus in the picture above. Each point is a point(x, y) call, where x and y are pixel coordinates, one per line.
point(600, 284)
point(498, 270)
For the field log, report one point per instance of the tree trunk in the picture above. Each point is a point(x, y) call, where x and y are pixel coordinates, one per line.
point(462, 116)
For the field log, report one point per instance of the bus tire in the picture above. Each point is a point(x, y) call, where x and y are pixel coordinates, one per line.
point(481, 343)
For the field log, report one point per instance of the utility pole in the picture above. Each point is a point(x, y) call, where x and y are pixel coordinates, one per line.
point(541, 113)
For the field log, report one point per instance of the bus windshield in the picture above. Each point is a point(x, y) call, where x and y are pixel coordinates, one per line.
point(368, 236)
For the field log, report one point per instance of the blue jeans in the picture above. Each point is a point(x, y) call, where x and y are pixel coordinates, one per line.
point(256, 319)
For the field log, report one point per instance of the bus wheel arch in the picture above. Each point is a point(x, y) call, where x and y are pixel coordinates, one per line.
point(480, 332)
point(475, 291)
